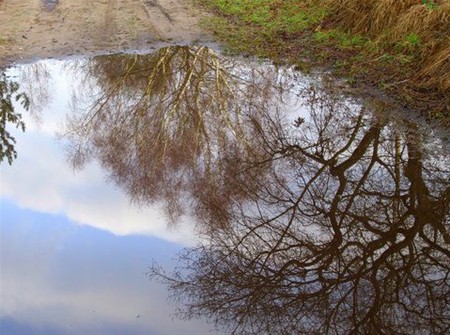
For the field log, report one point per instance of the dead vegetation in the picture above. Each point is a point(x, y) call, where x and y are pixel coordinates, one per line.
point(420, 25)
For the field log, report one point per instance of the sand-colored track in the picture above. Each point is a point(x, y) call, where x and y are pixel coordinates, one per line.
point(29, 30)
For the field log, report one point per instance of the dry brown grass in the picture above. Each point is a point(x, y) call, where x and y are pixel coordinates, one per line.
point(388, 23)
point(436, 68)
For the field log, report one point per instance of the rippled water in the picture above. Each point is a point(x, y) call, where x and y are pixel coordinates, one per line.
point(312, 201)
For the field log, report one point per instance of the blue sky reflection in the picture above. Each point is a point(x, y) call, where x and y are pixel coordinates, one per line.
point(74, 251)
point(59, 277)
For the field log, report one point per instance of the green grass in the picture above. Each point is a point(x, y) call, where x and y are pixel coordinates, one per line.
point(325, 33)
point(270, 15)
point(430, 4)
point(339, 39)
point(262, 27)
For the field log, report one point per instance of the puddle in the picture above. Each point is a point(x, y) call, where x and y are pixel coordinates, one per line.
point(300, 191)
point(50, 5)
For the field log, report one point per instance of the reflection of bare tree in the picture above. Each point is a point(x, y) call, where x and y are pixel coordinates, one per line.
point(350, 234)
point(162, 121)
point(36, 80)
point(337, 224)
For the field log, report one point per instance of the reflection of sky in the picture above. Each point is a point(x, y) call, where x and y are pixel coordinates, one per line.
point(74, 251)
point(82, 195)
point(58, 277)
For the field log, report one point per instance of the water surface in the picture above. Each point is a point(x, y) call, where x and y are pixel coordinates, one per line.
point(318, 211)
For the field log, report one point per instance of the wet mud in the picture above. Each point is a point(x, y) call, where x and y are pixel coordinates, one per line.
point(52, 28)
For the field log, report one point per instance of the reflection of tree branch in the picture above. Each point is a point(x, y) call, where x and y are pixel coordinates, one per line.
point(334, 225)
point(331, 242)
point(173, 110)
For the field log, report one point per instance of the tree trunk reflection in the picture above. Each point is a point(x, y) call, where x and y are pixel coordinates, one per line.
point(333, 221)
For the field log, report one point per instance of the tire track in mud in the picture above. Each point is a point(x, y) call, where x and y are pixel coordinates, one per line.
point(162, 22)
point(173, 19)
point(155, 3)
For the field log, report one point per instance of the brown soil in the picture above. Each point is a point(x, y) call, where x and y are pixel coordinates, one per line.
point(28, 29)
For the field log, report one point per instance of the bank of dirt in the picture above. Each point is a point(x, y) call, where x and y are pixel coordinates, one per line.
point(33, 29)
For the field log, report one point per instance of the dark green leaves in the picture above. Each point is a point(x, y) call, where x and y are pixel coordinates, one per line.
point(9, 93)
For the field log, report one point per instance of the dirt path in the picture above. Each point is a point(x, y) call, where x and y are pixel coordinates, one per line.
point(51, 28)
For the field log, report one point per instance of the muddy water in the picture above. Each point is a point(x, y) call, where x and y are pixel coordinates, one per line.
point(308, 200)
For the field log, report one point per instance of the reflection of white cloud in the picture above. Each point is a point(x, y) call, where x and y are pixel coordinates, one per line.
point(47, 86)
point(83, 196)
point(41, 180)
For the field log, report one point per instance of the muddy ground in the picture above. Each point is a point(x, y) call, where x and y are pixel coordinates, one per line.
point(32, 29)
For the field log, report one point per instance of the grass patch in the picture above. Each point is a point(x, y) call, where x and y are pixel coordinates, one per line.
point(339, 39)
point(400, 46)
